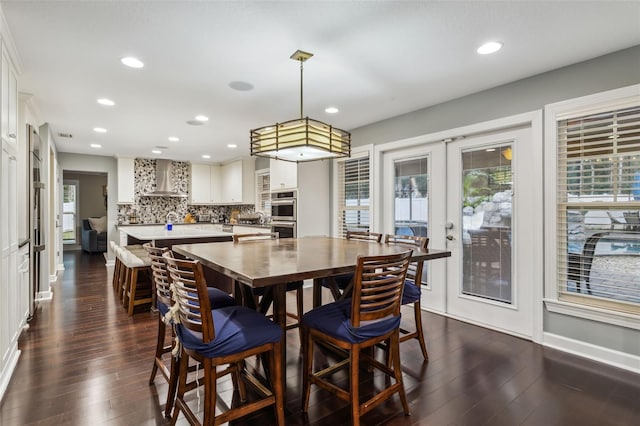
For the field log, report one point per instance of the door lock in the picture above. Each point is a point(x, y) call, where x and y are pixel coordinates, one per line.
point(450, 237)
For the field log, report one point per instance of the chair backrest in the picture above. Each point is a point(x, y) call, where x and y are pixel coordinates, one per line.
point(415, 268)
point(159, 271)
point(377, 287)
point(364, 236)
point(191, 296)
point(256, 236)
point(632, 218)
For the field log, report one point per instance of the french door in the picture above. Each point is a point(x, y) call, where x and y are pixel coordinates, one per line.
point(472, 196)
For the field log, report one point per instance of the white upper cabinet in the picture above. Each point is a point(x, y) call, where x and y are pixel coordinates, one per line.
point(238, 183)
point(126, 181)
point(9, 100)
point(205, 184)
point(284, 174)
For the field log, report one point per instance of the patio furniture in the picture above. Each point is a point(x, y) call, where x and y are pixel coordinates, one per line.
point(633, 221)
point(579, 264)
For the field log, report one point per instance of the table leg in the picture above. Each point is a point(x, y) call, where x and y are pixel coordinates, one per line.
point(317, 292)
point(280, 318)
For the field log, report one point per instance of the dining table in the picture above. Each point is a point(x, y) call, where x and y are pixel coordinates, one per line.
point(276, 262)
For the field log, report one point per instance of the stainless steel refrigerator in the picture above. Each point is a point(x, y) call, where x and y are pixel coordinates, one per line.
point(36, 220)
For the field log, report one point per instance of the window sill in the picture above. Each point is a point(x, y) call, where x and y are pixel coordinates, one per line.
point(594, 314)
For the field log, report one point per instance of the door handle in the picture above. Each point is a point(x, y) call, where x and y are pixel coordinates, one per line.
point(450, 237)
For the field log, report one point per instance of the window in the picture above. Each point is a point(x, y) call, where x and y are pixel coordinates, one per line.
point(597, 204)
point(353, 194)
point(263, 191)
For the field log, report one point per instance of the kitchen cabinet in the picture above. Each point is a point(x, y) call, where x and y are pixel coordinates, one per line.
point(238, 182)
point(283, 174)
point(205, 184)
point(239, 229)
point(8, 99)
point(126, 181)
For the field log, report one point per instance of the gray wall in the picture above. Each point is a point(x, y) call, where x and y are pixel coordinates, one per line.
point(90, 198)
point(607, 72)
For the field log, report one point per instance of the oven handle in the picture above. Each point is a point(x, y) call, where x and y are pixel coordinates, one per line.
point(283, 201)
point(287, 224)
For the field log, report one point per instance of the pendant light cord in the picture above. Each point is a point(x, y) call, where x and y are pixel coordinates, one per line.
point(301, 95)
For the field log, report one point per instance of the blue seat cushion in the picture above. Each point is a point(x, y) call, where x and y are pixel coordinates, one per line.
point(334, 319)
point(293, 285)
point(163, 308)
point(236, 329)
point(342, 281)
point(411, 292)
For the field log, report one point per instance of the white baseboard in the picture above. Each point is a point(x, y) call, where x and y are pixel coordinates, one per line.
point(7, 371)
point(44, 295)
point(596, 353)
point(53, 278)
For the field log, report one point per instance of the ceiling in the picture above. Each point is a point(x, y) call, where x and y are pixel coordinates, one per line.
point(373, 60)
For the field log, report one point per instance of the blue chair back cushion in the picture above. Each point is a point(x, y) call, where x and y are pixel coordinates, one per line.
point(237, 329)
point(411, 292)
point(220, 299)
point(334, 319)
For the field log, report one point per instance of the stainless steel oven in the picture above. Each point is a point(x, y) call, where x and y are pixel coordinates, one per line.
point(283, 206)
point(285, 229)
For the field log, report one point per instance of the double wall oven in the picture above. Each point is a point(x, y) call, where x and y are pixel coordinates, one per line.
point(283, 213)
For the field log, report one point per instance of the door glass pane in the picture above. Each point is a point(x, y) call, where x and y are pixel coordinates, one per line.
point(486, 223)
point(411, 199)
point(69, 214)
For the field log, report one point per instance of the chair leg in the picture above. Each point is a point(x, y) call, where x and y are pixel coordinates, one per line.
point(354, 385)
point(133, 283)
point(209, 392)
point(159, 348)
point(182, 386)
point(174, 374)
point(394, 343)
point(300, 307)
point(307, 366)
point(420, 333)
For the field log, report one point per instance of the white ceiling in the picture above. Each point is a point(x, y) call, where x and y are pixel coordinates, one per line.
point(373, 60)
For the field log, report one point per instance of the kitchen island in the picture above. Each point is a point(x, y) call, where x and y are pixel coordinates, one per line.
point(180, 234)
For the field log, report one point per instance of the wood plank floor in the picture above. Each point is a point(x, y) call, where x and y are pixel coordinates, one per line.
point(85, 362)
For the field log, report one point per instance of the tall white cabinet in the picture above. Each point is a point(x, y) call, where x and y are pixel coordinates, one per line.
point(12, 293)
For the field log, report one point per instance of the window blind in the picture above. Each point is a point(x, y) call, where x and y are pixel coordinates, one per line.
point(353, 195)
point(598, 206)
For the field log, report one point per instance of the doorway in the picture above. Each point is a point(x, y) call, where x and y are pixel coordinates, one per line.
point(70, 212)
point(475, 195)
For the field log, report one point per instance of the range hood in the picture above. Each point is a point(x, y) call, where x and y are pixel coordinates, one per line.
point(164, 181)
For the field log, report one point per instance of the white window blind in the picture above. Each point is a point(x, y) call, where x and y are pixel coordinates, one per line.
point(263, 192)
point(598, 209)
point(353, 195)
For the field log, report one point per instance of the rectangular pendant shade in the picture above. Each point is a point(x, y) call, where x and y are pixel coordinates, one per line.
point(300, 140)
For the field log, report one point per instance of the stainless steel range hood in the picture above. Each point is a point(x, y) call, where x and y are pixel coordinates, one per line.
point(164, 181)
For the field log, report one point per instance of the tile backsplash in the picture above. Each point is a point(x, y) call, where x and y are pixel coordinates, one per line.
point(155, 209)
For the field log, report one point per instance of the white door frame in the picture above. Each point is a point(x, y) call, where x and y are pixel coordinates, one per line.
point(531, 119)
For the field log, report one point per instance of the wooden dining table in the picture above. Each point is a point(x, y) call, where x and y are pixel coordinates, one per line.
point(275, 262)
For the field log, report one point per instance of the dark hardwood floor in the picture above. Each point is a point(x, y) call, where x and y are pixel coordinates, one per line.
point(85, 362)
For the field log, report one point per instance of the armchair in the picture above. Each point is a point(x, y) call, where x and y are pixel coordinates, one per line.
point(92, 240)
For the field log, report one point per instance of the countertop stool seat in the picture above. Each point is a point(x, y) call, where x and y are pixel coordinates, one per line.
point(370, 316)
point(218, 338)
point(134, 285)
point(162, 281)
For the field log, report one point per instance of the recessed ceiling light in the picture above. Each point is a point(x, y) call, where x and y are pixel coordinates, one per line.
point(174, 139)
point(241, 86)
point(490, 149)
point(156, 151)
point(206, 156)
point(132, 62)
point(106, 102)
point(331, 110)
point(490, 47)
point(232, 145)
point(201, 118)
point(95, 145)
point(99, 130)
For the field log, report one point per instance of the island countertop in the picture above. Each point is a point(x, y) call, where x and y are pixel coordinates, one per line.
point(179, 232)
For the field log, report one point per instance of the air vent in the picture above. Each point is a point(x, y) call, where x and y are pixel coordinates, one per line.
point(65, 135)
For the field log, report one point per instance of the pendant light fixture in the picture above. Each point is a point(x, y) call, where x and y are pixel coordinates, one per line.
point(302, 139)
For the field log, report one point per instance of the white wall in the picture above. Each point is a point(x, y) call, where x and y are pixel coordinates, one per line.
point(96, 164)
